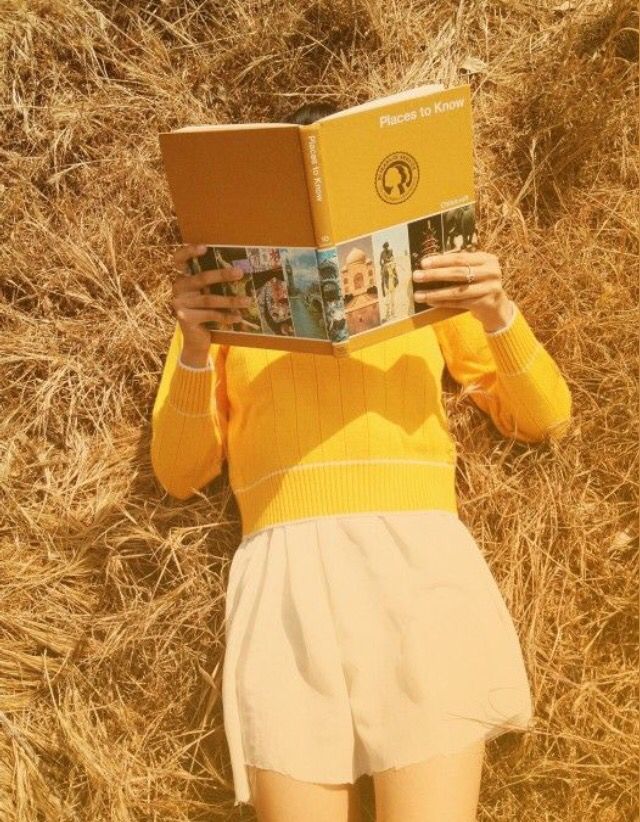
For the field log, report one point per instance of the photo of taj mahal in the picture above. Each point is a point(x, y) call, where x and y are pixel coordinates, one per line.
point(359, 284)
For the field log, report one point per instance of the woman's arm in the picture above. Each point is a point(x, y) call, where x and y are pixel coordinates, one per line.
point(509, 374)
point(189, 421)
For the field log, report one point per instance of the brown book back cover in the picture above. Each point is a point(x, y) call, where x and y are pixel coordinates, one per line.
point(242, 186)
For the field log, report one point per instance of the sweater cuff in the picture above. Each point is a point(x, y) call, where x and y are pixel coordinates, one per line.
point(207, 367)
point(514, 346)
point(192, 390)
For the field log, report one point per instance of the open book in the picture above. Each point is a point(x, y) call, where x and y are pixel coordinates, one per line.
point(328, 221)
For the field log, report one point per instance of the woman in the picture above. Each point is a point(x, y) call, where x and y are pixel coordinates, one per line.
point(365, 632)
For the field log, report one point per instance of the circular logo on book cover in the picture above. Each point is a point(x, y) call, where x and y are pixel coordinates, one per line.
point(397, 177)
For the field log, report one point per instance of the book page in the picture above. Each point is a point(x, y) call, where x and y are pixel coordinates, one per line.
point(234, 126)
point(418, 91)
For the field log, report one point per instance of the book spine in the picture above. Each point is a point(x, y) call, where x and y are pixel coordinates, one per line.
point(316, 185)
point(326, 252)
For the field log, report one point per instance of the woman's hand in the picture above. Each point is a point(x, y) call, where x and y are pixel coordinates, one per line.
point(193, 308)
point(484, 297)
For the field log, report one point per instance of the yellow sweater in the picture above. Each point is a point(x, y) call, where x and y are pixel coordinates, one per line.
point(307, 435)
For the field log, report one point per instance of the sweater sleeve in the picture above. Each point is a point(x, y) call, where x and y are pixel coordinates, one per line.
point(509, 375)
point(189, 421)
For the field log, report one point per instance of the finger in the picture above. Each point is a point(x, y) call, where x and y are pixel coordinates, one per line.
point(454, 258)
point(194, 299)
point(455, 294)
point(186, 252)
point(459, 306)
point(195, 316)
point(218, 275)
point(250, 324)
point(196, 282)
point(449, 273)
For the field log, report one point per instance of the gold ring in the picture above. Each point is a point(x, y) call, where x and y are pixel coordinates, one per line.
point(469, 274)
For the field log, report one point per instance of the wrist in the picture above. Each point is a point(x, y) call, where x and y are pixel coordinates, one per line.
point(499, 317)
point(194, 357)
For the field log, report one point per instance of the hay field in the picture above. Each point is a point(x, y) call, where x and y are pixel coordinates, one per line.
point(112, 592)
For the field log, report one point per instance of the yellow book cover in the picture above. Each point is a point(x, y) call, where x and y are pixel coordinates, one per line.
point(328, 221)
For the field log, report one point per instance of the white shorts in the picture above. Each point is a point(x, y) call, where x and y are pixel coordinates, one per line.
point(361, 642)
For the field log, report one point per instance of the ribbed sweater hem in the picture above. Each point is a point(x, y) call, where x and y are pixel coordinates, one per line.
point(514, 346)
point(345, 487)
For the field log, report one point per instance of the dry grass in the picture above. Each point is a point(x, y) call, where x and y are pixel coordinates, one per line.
point(112, 596)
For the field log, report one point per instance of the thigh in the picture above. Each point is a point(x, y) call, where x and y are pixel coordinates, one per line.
point(444, 787)
point(280, 798)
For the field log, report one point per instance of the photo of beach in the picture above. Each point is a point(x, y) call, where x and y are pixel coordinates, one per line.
point(334, 311)
point(300, 266)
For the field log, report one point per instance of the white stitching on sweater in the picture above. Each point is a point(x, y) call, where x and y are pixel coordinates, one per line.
point(193, 368)
point(208, 367)
point(189, 414)
point(341, 462)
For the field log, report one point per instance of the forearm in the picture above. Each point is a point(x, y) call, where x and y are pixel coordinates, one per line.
point(187, 440)
point(532, 390)
point(508, 374)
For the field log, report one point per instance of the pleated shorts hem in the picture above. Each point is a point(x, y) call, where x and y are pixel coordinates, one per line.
point(515, 724)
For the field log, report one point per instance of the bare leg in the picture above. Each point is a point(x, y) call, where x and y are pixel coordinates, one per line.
point(280, 798)
point(445, 787)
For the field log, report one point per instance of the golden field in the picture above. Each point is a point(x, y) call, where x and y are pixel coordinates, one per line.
point(112, 609)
